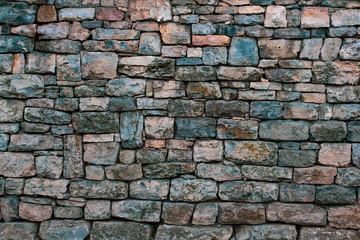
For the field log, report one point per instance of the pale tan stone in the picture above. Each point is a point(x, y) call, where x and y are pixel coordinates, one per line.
point(335, 154)
point(315, 17)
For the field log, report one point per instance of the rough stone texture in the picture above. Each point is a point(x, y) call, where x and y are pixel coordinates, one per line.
point(18, 230)
point(335, 154)
point(96, 189)
point(241, 213)
point(114, 229)
point(99, 65)
point(193, 190)
point(138, 210)
point(284, 130)
point(266, 231)
point(344, 217)
point(64, 229)
point(327, 232)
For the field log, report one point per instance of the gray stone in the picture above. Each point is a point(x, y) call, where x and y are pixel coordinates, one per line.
point(4, 141)
point(248, 191)
point(11, 110)
point(214, 55)
point(17, 13)
point(40, 63)
point(286, 130)
point(349, 177)
point(270, 174)
point(120, 230)
point(115, 34)
point(329, 131)
point(239, 73)
point(204, 90)
point(168, 170)
point(99, 65)
point(101, 153)
point(195, 73)
point(311, 48)
point(291, 33)
point(218, 172)
point(266, 109)
point(31, 142)
point(151, 103)
point(68, 212)
point(73, 152)
point(64, 229)
point(19, 230)
point(186, 108)
point(34, 212)
point(97, 210)
point(266, 231)
point(43, 115)
point(59, 46)
point(124, 172)
point(330, 49)
point(193, 190)
point(148, 189)
point(21, 86)
point(328, 194)
point(251, 152)
point(205, 214)
point(345, 17)
point(149, 155)
point(195, 127)
point(49, 166)
point(222, 108)
point(348, 50)
point(9, 208)
point(67, 3)
point(337, 72)
point(243, 52)
point(237, 129)
point(343, 94)
point(297, 193)
point(131, 124)
point(53, 30)
point(159, 127)
point(356, 154)
point(68, 68)
point(353, 131)
point(283, 49)
point(288, 75)
point(296, 110)
point(137, 210)
point(76, 14)
point(256, 95)
point(241, 213)
point(96, 122)
point(122, 104)
point(346, 112)
point(99, 189)
point(16, 44)
point(150, 44)
point(143, 10)
point(128, 46)
point(168, 89)
point(249, 20)
point(46, 187)
point(6, 63)
point(327, 232)
point(208, 151)
point(203, 29)
point(177, 213)
point(220, 232)
point(297, 158)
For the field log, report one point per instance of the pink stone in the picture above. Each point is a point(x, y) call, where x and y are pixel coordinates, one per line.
point(344, 217)
point(77, 32)
point(25, 30)
point(335, 154)
point(210, 40)
point(315, 17)
point(315, 175)
point(34, 212)
point(109, 14)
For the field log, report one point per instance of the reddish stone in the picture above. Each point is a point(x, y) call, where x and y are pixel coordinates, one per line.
point(46, 13)
point(210, 40)
point(241, 213)
point(344, 217)
point(77, 32)
point(19, 64)
point(251, 10)
point(335, 154)
point(109, 14)
point(121, 25)
point(174, 33)
point(315, 17)
point(315, 175)
point(34, 212)
point(147, 26)
point(173, 51)
point(28, 30)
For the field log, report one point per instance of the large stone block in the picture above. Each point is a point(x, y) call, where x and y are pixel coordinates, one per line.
point(297, 193)
point(237, 129)
point(344, 217)
point(338, 72)
point(296, 158)
point(11, 110)
point(315, 175)
point(149, 189)
point(345, 17)
point(195, 73)
point(99, 189)
point(335, 154)
point(284, 130)
point(343, 94)
point(96, 122)
point(195, 127)
point(32, 142)
point(218, 171)
point(44, 115)
point(168, 170)
point(17, 13)
point(222, 108)
point(266, 231)
point(123, 172)
point(204, 90)
point(349, 177)
point(56, 188)
point(16, 44)
point(262, 173)
point(19, 230)
point(288, 75)
point(137, 210)
point(193, 190)
point(348, 50)
point(68, 68)
point(98, 65)
point(220, 232)
point(186, 108)
point(125, 87)
point(330, 131)
point(21, 86)
point(159, 10)
point(17, 164)
point(245, 74)
point(327, 232)
point(59, 46)
point(208, 151)
point(101, 153)
point(76, 14)
point(274, 49)
point(115, 34)
point(243, 52)
point(241, 213)
point(315, 17)
point(131, 124)
point(64, 229)
point(333, 194)
point(159, 127)
point(127, 230)
point(174, 33)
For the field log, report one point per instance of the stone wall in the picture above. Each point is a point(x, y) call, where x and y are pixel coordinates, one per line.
point(180, 119)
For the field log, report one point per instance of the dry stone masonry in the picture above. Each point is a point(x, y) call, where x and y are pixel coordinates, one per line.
point(180, 119)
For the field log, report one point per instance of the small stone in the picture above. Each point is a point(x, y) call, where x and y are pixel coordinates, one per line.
point(109, 14)
point(68, 212)
point(204, 90)
point(30, 142)
point(160, 10)
point(43, 115)
point(168, 89)
point(46, 13)
point(150, 44)
point(192, 190)
point(214, 55)
point(344, 217)
point(174, 33)
point(203, 29)
point(68, 68)
point(137, 210)
point(210, 40)
point(251, 10)
point(306, 111)
point(101, 153)
point(239, 73)
point(97, 210)
point(286, 130)
point(205, 214)
point(150, 189)
point(173, 51)
point(122, 104)
point(177, 213)
point(296, 158)
point(98, 189)
point(347, 51)
point(220, 232)
point(159, 127)
point(99, 65)
point(208, 151)
point(315, 175)
point(94, 172)
point(123, 172)
point(76, 14)
point(315, 17)
point(33, 212)
point(150, 155)
point(64, 229)
point(11, 110)
point(59, 46)
point(297, 193)
point(77, 32)
point(275, 16)
point(241, 213)
point(348, 177)
point(130, 46)
point(67, 3)
point(195, 127)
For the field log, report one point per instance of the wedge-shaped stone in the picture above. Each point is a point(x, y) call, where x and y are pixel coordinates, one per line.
point(193, 190)
point(338, 72)
point(17, 164)
point(11, 110)
point(64, 229)
point(147, 66)
point(96, 122)
point(300, 214)
point(31, 142)
point(127, 230)
point(248, 191)
point(99, 189)
point(286, 130)
point(21, 86)
point(46, 187)
point(241, 213)
point(283, 49)
point(137, 210)
point(266, 231)
point(245, 74)
point(44, 115)
point(220, 232)
point(251, 152)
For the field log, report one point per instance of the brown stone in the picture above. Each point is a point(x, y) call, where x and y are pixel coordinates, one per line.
point(19, 64)
point(241, 213)
point(46, 13)
point(177, 213)
point(99, 65)
point(300, 214)
point(174, 33)
point(275, 17)
point(315, 175)
point(335, 154)
point(159, 10)
point(251, 10)
point(344, 217)
point(315, 17)
point(109, 14)
point(173, 51)
point(147, 26)
point(77, 32)
point(210, 40)
point(279, 48)
point(307, 233)
point(28, 30)
point(34, 212)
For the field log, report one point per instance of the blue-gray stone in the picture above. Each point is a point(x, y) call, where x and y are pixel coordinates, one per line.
point(214, 55)
point(222, 108)
point(44, 115)
point(89, 91)
point(262, 2)
point(284, 130)
point(203, 29)
point(21, 86)
point(16, 44)
point(4, 140)
point(150, 44)
point(229, 30)
point(131, 124)
point(333, 194)
point(67, 3)
point(125, 87)
point(290, 33)
point(150, 155)
point(122, 104)
point(92, 24)
point(64, 229)
point(120, 230)
point(189, 61)
point(296, 158)
point(248, 20)
point(355, 154)
point(328, 131)
point(17, 13)
point(297, 193)
point(96, 122)
point(319, 33)
point(289, 145)
point(342, 32)
point(243, 52)
point(6, 63)
point(195, 73)
point(266, 109)
point(349, 177)
point(68, 68)
point(186, 108)
point(195, 127)
point(57, 46)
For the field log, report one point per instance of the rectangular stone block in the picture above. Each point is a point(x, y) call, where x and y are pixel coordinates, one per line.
point(99, 189)
point(344, 217)
point(73, 152)
point(315, 175)
point(195, 127)
point(237, 129)
point(137, 210)
point(131, 125)
point(193, 190)
point(32, 142)
point(96, 122)
point(241, 213)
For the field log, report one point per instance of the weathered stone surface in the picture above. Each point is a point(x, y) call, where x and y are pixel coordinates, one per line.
point(73, 151)
point(68, 68)
point(266, 109)
point(186, 108)
point(150, 155)
point(101, 153)
point(127, 230)
point(348, 177)
point(266, 231)
point(130, 46)
point(251, 152)
point(218, 172)
point(203, 29)
point(306, 111)
point(40, 63)
point(348, 50)
point(18, 230)
point(243, 52)
point(96, 122)
point(210, 40)
point(327, 232)
point(195, 127)
point(344, 217)
point(9, 208)
point(64, 229)
point(345, 17)
point(150, 189)
point(192, 190)
point(53, 30)
point(137, 210)
point(205, 214)
point(332, 131)
point(123, 172)
point(220, 232)
point(315, 175)
point(241, 213)
point(21, 86)
point(76, 14)
point(288, 75)
point(68, 212)
point(275, 16)
point(333, 194)
point(35, 213)
point(43, 115)
point(159, 10)
point(30, 142)
point(223, 108)
point(335, 154)
point(109, 14)
point(6, 63)
point(159, 127)
point(205, 90)
point(208, 151)
point(296, 158)
point(177, 213)
point(98, 65)
point(46, 13)
point(262, 173)
point(11, 110)
point(15, 44)
point(97, 210)
point(147, 66)
point(125, 87)
point(174, 33)
point(284, 130)
point(315, 17)
point(49, 166)
point(283, 49)
point(239, 73)
point(297, 193)
point(46, 187)
point(150, 44)
point(311, 48)
point(99, 189)
point(131, 124)
point(59, 46)
point(300, 214)
point(330, 49)
point(237, 129)
point(17, 13)
point(248, 191)
point(195, 73)
point(115, 34)
point(343, 94)
point(337, 72)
